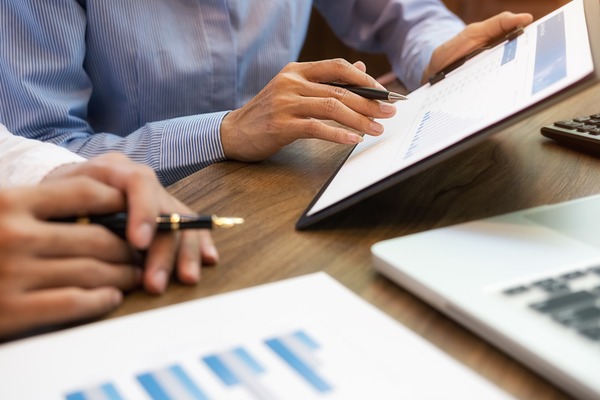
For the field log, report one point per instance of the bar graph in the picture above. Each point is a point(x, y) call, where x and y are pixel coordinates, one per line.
point(170, 383)
point(236, 369)
point(104, 391)
point(297, 350)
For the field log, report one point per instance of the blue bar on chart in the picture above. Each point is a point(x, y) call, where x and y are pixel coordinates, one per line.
point(550, 53)
point(103, 392)
point(170, 383)
point(238, 368)
point(297, 350)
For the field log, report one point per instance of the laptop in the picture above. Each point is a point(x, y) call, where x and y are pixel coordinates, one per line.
point(527, 281)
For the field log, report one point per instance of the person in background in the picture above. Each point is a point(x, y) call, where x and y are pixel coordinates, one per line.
point(179, 84)
point(53, 273)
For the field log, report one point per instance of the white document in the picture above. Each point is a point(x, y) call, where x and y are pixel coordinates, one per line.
point(303, 338)
point(552, 54)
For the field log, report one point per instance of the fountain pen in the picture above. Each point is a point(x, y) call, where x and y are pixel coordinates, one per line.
point(166, 222)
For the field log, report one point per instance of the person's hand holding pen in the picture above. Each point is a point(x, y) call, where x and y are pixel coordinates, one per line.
point(186, 251)
point(296, 104)
point(474, 37)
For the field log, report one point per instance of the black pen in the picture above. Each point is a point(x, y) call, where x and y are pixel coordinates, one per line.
point(370, 93)
point(166, 222)
point(445, 71)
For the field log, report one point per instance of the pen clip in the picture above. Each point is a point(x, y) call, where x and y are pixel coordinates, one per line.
point(451, 67)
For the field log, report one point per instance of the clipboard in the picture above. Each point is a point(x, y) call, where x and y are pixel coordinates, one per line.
point(552, 59)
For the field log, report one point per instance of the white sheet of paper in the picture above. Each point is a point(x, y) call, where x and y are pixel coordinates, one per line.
point(342, 347)
point(552, 54)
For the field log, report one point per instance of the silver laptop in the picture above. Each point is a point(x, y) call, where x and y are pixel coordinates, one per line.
point(527, 281)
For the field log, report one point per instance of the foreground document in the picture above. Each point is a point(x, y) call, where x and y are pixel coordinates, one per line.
point(303, 338)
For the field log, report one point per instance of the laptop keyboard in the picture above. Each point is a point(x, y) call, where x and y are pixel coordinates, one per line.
point(571, 299)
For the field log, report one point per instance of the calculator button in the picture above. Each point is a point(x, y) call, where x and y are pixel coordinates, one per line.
point(594, 132)
point(585, 128)
point(581, 119)
point(568, 124)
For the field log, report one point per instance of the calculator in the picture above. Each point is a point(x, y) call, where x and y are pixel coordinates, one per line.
point(582, 133)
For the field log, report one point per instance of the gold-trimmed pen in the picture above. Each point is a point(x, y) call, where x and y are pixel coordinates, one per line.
point(167, 222)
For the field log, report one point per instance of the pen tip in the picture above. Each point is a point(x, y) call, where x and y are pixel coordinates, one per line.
point(227, 222)
point(397, 96)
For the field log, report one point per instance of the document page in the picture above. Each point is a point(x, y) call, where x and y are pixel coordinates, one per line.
point(552, 54)
point(303, 338)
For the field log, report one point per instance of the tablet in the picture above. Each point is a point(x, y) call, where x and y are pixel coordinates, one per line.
point(553, 58)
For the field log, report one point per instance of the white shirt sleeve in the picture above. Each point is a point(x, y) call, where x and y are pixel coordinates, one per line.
point(25, 162)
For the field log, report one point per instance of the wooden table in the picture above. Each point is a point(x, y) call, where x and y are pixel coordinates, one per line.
point(514, 169)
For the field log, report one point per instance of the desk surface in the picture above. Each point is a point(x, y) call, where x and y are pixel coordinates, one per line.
point(514, 169)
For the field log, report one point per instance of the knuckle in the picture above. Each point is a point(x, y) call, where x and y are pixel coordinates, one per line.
point(331, 105)
point(290, 66)
point(312, 127)
point(94, 273)
point(340, 64)
point(339, 93)
point(72, 301)
point(14, 235)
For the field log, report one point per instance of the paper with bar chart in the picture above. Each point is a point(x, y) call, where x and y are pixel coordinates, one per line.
point(552, 54)
point(303, 338)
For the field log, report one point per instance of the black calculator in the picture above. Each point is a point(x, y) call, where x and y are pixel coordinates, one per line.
point(582, 133)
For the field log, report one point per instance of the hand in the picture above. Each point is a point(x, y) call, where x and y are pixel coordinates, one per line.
point(146, 199)
point(293, 105)
point(471, 38)
point(51, 273)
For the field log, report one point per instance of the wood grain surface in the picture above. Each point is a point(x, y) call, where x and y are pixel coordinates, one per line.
point(514, 169)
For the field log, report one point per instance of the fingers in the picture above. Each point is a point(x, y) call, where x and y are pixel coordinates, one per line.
point(313, 128)
point(70, 197)
point(208, 250)
point(336, 70)
point(160, 261)
point(473, 37)
point(138, 183)
point(85, 273)
point(188, 258)
point(501, 24)
point(77, 240)
point(344, 107)
point(56, 306)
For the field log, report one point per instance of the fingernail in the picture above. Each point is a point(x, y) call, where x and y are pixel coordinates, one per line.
point(195, 270)
point(355, 138)
point(160, 280)
point(145, 233)
point(117, 298)
point(376, 127)
point(387, 108)
point(214, 254)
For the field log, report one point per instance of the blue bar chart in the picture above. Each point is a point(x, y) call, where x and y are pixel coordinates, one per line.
point(234, 369)
point(170, 383)
point(297, 351)
point(102, 392)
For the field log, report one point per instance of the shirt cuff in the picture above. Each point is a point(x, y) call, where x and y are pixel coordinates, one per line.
point(189, 144)
point(26, 162)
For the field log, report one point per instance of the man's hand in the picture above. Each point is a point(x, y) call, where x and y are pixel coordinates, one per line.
point(146, 199)
point(474, 36)
point(54, 273)
point(293, 106)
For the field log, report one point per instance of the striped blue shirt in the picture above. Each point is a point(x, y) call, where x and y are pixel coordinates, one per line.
point(154, 78)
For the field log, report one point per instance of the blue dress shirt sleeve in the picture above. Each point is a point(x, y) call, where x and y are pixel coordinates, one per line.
point(46, 94)
point(407, 31)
